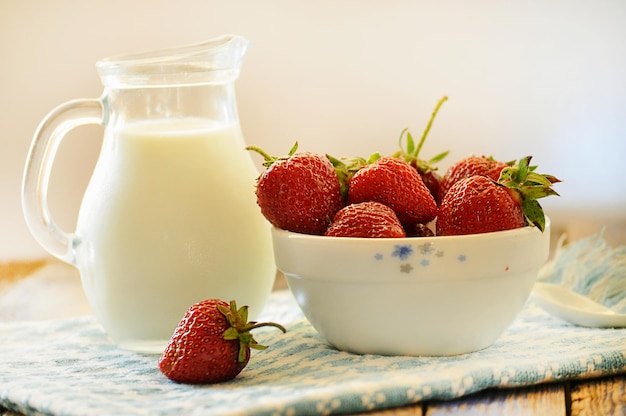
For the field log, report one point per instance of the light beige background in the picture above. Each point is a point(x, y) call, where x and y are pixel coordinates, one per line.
point(546, 78)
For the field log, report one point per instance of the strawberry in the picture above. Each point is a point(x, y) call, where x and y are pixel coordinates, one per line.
point(299, 192)
point(410, 154)
point(432, 180)
point(470, 166)
point(347, 167)
point(393, 182)
point(478, 204)
point(211, 343)
point(366, 219)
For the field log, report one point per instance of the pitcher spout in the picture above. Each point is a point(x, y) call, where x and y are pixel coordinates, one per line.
point(214, 61)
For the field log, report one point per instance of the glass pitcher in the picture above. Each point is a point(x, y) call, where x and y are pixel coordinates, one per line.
point(169, 217)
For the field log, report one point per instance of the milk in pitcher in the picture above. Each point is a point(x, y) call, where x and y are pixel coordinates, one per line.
point(154, 211)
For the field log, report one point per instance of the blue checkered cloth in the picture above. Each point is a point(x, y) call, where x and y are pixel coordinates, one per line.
point(69, 367)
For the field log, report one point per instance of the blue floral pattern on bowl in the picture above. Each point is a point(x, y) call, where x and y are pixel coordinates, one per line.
point(411, 256)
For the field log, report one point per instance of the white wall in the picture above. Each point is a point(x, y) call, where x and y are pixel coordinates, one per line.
point(545, 78)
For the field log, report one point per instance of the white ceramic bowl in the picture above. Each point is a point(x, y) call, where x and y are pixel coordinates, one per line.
point(412, 296)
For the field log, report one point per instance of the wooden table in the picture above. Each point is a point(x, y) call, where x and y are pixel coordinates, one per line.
point(603, 396)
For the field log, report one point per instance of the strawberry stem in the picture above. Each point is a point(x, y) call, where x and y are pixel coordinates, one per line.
point(429, 125)
point(269, 159)
point(410, 154)
point(240, 328)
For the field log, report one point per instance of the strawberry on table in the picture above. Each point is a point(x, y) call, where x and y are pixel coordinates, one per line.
point(394, 183)
point(478, 204)
point(299, 192)
point(470, 166)
point(366, 219)
point(211, 343)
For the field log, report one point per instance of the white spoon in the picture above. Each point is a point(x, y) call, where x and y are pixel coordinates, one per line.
point(576, 308)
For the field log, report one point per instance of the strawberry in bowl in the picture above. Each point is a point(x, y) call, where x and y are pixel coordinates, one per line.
point(451, 258)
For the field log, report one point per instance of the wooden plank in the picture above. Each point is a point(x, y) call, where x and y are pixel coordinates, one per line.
point(546, 399)
point(14, 270)
point(605, 396)
point(413, 410)
point(5, 412)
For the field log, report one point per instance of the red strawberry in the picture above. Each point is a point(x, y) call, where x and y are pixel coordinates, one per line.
point(394, 183)
point(211, 343)
point(470, 166)
point(366, 219)
point(432, 180)
point(479, 204)
point(298, 193)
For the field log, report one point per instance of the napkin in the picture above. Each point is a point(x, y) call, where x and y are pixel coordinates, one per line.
point(69, 367)
point(591, 267)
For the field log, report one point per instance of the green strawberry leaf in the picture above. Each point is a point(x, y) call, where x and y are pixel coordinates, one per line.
point(534, 213)
point(373, 158)
point(258, 346)
point(538, 179)
point(439, 157)
point(536, 191)
point(530, 186)
point(522, 170)
point(231, 333)
point(410, 144)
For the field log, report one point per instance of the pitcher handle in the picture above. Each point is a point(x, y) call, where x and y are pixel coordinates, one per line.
point(44, 146)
